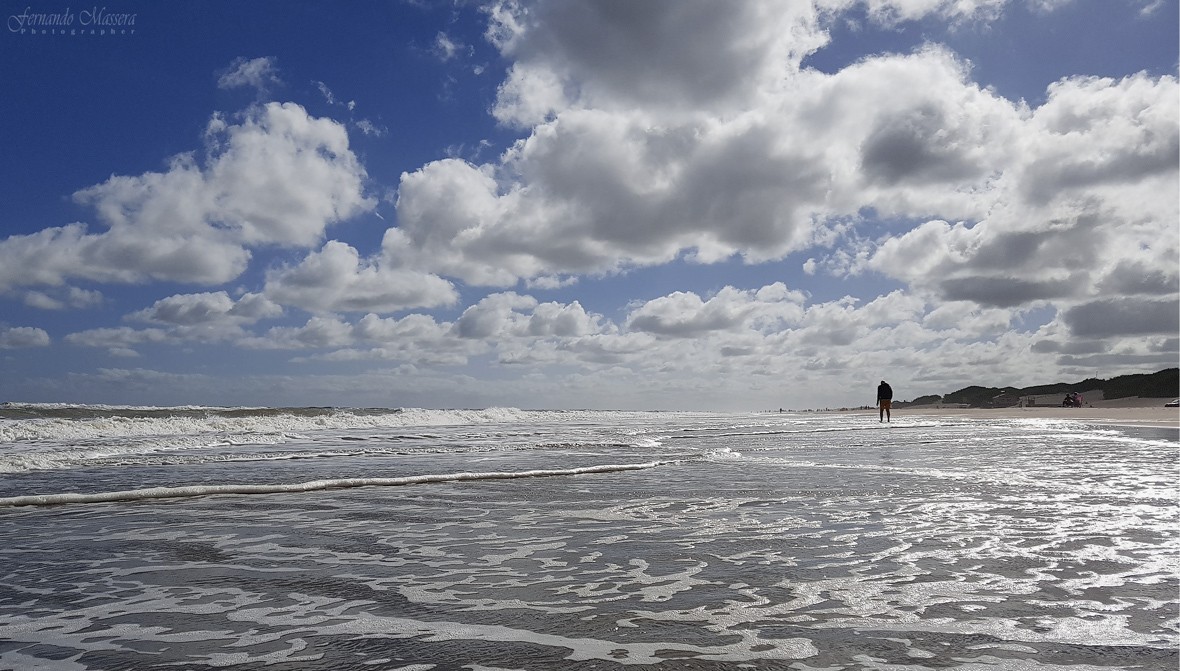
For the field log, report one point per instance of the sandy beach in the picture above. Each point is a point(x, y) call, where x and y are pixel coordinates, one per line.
point(1123, 412)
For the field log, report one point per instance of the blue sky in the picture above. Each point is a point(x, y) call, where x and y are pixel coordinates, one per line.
point(665, 205)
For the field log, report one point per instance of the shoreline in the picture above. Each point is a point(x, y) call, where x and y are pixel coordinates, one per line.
point(1155, 416)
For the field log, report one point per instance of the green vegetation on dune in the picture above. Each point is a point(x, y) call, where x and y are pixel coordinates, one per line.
point(1161, 384)
point(1153, 385)
point(976, 395)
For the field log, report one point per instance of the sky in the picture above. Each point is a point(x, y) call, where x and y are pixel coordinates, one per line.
point(667, 205)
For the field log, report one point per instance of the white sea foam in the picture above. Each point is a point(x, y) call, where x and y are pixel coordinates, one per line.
point(973, 545)
point(79, 423)
point(37, 437)
point(314, 485)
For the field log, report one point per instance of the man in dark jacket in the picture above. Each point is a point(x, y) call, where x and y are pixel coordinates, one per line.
point(885, 400)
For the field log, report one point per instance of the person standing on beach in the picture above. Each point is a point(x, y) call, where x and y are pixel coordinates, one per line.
point(885, 400)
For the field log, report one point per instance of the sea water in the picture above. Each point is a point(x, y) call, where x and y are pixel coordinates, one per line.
point(260, 538)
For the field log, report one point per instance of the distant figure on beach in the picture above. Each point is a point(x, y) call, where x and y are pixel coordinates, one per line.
point(885, 400)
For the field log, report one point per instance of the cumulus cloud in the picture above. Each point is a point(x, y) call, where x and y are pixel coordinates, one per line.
point(670, 55)
point(204, 308)
point(212, 317)
point(62, 298)
point(917, 145)
point(1134, 276)
point(599, 194)
point(685, 315)
point(1131, 316)
point(768, 342)
point(893, 12)
point(22, 336)
point(601, 184)
point(1018, 256)
point(276, 177)
point(765, 331)
point(118, 339)
point(1097, 132)
point(122, 254)
point(614, 175)
point(518, 329)
point(283, 176)
point(417, 340)
point(639, 155)
point(336, 279)
point(508, 315)
point(492, 315)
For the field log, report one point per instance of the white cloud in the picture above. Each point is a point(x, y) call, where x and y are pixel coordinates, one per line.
point(415, 339)
point(371, 129)
point(443, 210)
point(121, 338)
point(595, 192)
point(1125, 316)
point(447, 48)
point(257, 73)
point(336, 279)
point(966, 321)
point(187, 309)
point(204, 308)
point(563, 321)
point(15, 337)
point(892, 12)
point(610, 179)
point(643, 151)
point(685, 315)
point(493, 316)
point(124, 254)
point(319, 332)
point(529, 96)
point(329, 97)
point(639, 154)
point(619, 171)
point(1150, 7)
point(284, 177)
point(212, 317)
point(1087, 209)
point(768, 344)
point(420, 329)
point(671, 55)
point(60, 299)
point(278, 177)
point(1096, 133)
point(365, 126)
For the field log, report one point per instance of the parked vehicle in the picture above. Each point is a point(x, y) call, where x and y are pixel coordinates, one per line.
point(1173, 404)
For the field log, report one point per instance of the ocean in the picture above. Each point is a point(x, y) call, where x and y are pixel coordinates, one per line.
point(496, 539)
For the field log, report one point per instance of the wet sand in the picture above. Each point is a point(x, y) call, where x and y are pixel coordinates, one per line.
point(1124, 412)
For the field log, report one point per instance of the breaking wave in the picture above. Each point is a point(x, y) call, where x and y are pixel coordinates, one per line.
point(314, 485)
